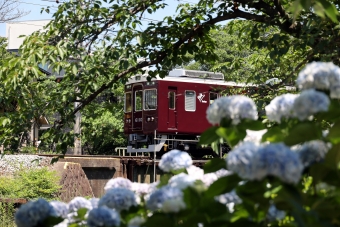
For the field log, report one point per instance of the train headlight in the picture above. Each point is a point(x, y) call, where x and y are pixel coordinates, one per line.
point(148, 119)
point(152, 118)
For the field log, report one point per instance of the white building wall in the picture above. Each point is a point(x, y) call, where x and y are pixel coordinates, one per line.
point(18, 28)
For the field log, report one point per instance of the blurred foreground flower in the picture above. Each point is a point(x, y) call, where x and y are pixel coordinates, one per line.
point(235, 107)
point(175, 160)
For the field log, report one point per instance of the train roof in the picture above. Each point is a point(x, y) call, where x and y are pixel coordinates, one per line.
point(191, 76)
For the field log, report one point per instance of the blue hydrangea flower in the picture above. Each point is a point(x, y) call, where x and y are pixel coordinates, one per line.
point(278, 160)
point(77, 203)
point(312, 152)
point(94, 202)
point(60, 208)
point(240, 161)
point(175, 160)
point(230, 197)
point(310, 102)
point(33, 213)
point(281, 107)
point(274, 214)
point(118, 182)
point(319, 75)
point(236, 108)
point(103, 216)
point(119, 199)
point(167, 199)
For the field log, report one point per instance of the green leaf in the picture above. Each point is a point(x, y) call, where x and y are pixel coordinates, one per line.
point(232, 135)
point(74, 70)
point(303, 132)
point(274, 134)
point(334, 133)
point(222, 185)
point(158, 219)
point(209, 136)
point(330, 10)
point(214, 165)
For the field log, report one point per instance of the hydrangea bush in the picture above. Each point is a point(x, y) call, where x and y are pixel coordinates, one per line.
point(283, 170)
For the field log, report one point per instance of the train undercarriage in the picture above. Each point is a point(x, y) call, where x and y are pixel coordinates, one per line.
point(162, 143)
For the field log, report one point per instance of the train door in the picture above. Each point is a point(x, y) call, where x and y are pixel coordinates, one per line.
point(137, 114)
point(172, 108)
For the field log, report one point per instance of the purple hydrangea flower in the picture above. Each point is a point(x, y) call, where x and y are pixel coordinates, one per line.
point(175, 160)
point(103, 216)
point(274, 214)
point(119, 199)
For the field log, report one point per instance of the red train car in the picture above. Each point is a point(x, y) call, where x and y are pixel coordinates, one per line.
point(170, 113)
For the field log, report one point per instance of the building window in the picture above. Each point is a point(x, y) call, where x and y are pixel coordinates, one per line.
point(150, 99)
point(128, 101)
point(190, 100)
point(213, 96)
point(138, 100)
point(172, 99)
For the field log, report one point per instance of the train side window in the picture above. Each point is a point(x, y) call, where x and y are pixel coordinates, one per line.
point(172, 98)
point(190, 101)
point(150, 99)
point(213, 96)
point(138, 100)
point(127, 103)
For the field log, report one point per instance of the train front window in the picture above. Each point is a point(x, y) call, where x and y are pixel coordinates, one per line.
point(128, 101)
point(190, 100)
point(213, 96)
point(150, 99)
point(138, 100)
point(172, 96)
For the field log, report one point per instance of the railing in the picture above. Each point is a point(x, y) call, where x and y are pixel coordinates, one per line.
point(122, 152)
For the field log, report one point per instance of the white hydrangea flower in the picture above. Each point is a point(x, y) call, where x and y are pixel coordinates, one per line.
point(254, 136)
point(281, 107)
point(310, 102)
point(33, 213)
point(167, 199)
point(236, 108)
point(319, 75)
point(240, 160)
point(118, 182)
point(312, 151)
point(277, 160)
point(209, 178)
point(60, 208)
point(136, 221)
point(195, 172)
point(119, 199)
point(77, 203)
point(181, 181)
point(103, 216)
point(242, 107)
point(142, 189)
point(229, 199)
point(175, 160)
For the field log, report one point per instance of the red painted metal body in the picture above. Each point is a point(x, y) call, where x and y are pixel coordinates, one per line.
point(178, 112)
